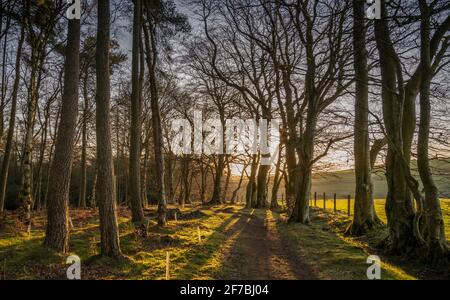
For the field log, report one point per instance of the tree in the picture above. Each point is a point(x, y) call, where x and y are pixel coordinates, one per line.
point(437, 249)
point(324, 82)
point(57, 233)
point(136, 124)
point(160, 16)
point(398, 101)
point(39, 34)
point(105, 188)
point(364, 213)
point(12, 122)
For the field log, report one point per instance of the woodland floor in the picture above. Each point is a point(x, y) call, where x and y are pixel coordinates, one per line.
point(235, 243)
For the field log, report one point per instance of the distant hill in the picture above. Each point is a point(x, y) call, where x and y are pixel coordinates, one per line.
point(343, 182)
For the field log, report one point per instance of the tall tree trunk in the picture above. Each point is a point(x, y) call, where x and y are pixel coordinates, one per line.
point(50, 159)
point(12, 122)
point(216, 196)
point(105, 190)
point(276, 182)
point(399, 208)
point(84, 137)
point(26, 195)
point(152, 57)
point(57, 233)
point(92, 200)
point(186, 182)
point(169, 162)
point(236, 190)
point(134, 189)
point(261, 186)
point(436, 242)
point(364, 218)
point(305, 152)
point(227, 181)
point(250, 195)
point(4, 69)
point(38, 178)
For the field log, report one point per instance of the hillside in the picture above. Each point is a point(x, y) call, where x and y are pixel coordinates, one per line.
point(343, 182)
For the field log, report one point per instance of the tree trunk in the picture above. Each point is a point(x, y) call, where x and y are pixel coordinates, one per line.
point(227, 182)
point(57, 233)
point(305, 152)
point(241, 178)
point(216, 196)
point(436, 242)
point(261, 186)
point(276, 182)
point(105, 191)
point(251, 185)
point(364, 218)
point(186, 181)
point(399, 208)
point(134, 189)
point(152, 57)
point(83, 180)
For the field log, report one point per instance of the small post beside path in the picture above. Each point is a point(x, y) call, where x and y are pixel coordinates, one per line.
point(167, 265)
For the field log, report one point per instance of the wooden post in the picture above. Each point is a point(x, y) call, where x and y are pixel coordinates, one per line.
point(334, 202)
point(315, 198)
point(167, 265)
point(324, 201)
point(348, 205)
point(199, 236)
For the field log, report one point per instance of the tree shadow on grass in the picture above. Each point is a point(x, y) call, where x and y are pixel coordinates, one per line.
point(259, 253)
point(201, 262)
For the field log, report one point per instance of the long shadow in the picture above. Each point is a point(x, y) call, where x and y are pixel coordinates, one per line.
point(203, 252)
point(258, 252)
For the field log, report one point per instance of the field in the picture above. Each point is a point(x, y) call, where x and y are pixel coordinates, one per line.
point(341, 205)
point(343, 182)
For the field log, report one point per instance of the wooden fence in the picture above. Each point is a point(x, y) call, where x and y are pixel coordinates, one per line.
point(335, 208)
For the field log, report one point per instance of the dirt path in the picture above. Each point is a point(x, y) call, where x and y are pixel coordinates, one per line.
point(259, 252)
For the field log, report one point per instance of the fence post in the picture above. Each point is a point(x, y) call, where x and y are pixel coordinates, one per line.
point(324, 201)
point(315, 198)
point(348, 205)
point(334, 202)
point(167, 265)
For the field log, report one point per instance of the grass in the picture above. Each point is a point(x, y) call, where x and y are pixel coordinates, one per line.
point(321, 245)
point(341, 205)
point(329, 252)
point(26, 258)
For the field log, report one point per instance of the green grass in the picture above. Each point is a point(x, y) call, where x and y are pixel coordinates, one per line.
point(146, 258)
point(320, 245)
point(329, 252)
point(341, 205)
